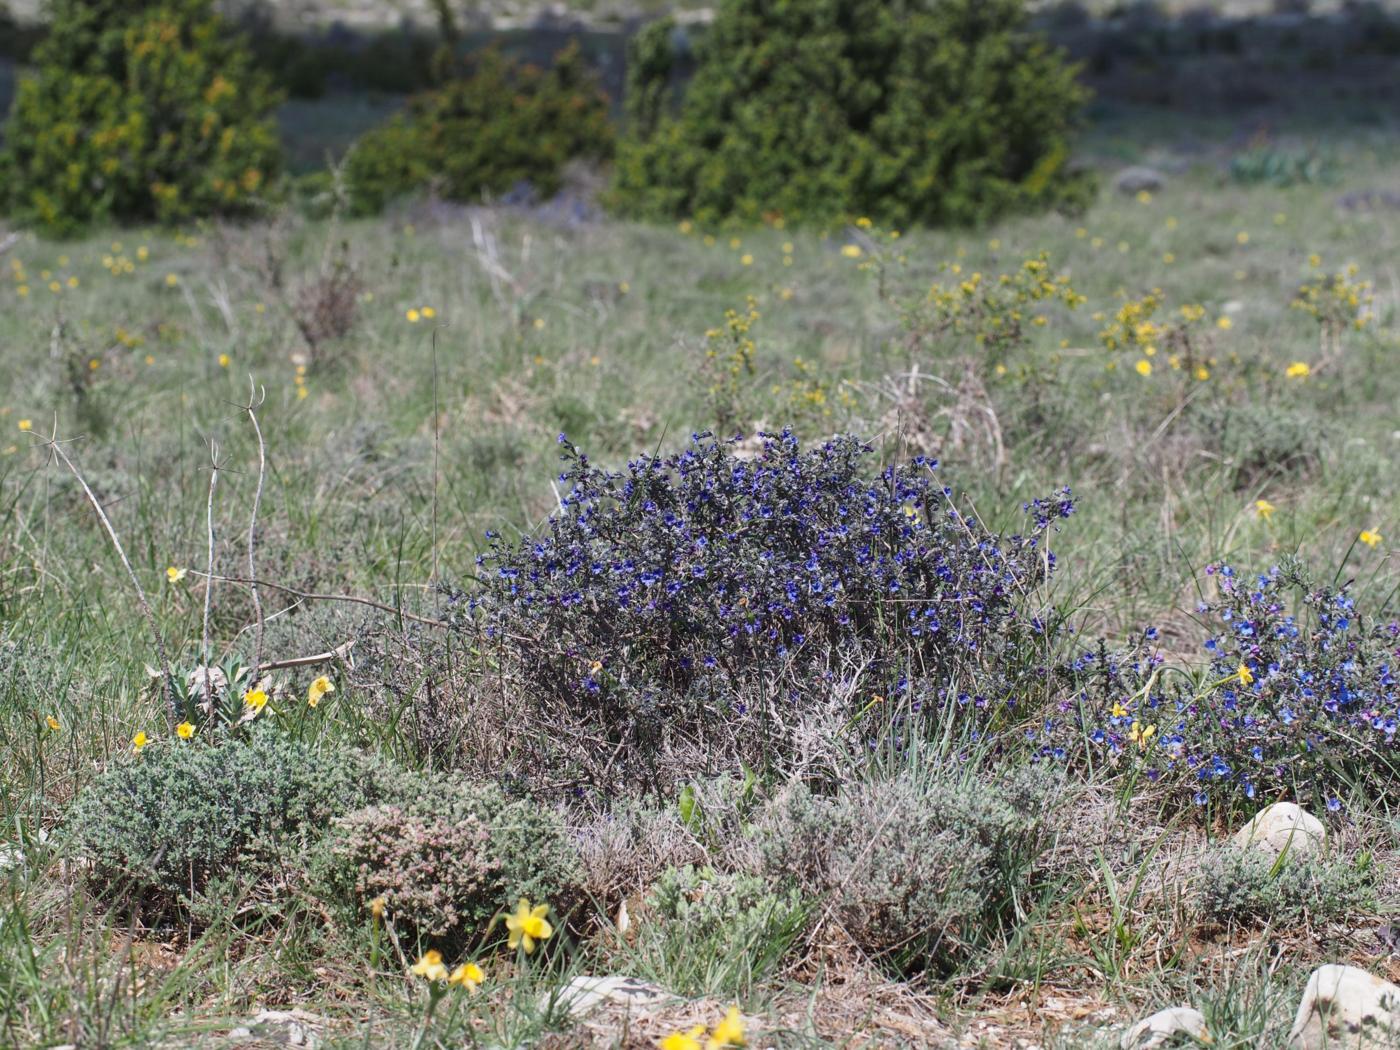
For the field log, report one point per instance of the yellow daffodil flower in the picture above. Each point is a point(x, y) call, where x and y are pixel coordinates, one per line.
point(528, 925)
point(729, 1032)
point(430, 966)
point(468, 976)
point(688, 1040)
point(318, 689)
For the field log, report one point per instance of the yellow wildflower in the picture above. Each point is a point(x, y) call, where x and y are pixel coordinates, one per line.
point(428, 312)
point(171, 280)
point(184, 730)
point(1245, 675)
point(468, 976)
point(1144, 367)
point(1224, 324)
point(1370, 537)
point(413, 316)
point(1298, 370)
point(26, 424)
point(53, 723)
point(1140, 735)
point(1119, 711)
point(528, 925)
point(689, 1040)
point(1265, 508)
point(729, 1032)
point(139, 741)
point(174, 575)
point(318, 689)
point(430, 966)
point(852, 251)
point(376, 908)
point(255, 699)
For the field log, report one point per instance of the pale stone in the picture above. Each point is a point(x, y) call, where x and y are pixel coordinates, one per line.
point(1139, 179)
point(1163, 1026)
point(1283, 826)
point(1344, 1007)
point(584, 994)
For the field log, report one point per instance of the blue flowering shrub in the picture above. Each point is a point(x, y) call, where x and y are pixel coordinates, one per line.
point(1298, 699)
point(695, 611)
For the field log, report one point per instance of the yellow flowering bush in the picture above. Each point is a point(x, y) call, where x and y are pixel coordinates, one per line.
point(1338, 302)
point(1144, 330)
point(138, 110)
point(996, 313)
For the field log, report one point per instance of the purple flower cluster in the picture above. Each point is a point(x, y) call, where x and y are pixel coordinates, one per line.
point(695, 586)
point(1298, 699)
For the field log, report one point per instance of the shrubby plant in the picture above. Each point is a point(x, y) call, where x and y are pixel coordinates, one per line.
point(711, 931)
point(1250, 886)
point(443, 861)
point(922, 872)
point(138, 110)
point(482, 134)
point(1299, 699)
point(160, 827)
point(916, 111)
point(703, 604)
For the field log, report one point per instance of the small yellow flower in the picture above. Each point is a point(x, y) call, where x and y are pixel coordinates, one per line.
point(1242, 237)
point(595, 667)
point(688, 1040)
point(255, 699)
point(318, 689)
point(26, 424)
point(729, 1032)
point(746, 260)
point(686, 227)
point(139, 741)
point(184, 730)
point(174, 575)
point(413, 316)
point(1144, 367)
point(1224, 324)
point(72, 282)
point(430, 966)
point(1119, 711)
point(53, 723)
point(1370, 537)
point(852, 251)
point(1265, 508)
point(1141, 735)
point(1245, 675)
point(428, 312)
point(528, 925)
point(223, 360)
point(1202, 373)
point(171, 280)
point(1298, 370)
point(1144, 197)
point(468, 976)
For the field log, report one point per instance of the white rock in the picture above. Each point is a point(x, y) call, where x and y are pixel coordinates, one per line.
point(1162, 1026)
point(1346, 1007)
point(583, 994)
point(1139, 179)
point(288, 1027)
point(1283, 826)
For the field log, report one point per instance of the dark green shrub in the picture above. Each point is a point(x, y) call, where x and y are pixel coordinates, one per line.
point(139, 110)
point(1250, 886)
point(445, 860)
point(922, 873)
point(482, 134)
point(911, 111)
point(164, 825)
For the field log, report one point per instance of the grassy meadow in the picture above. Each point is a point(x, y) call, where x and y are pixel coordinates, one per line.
point(409, 376)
